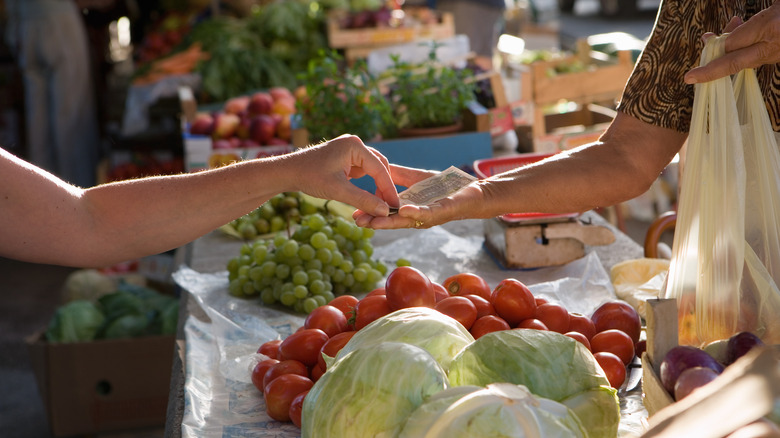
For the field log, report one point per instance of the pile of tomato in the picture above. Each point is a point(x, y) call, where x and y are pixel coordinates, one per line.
point(611, 333)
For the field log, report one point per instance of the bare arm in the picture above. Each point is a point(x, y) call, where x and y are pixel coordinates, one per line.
point(45, 220)
point(621, 166)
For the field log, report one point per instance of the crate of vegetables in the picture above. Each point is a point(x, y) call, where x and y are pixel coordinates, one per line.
point(369, 29)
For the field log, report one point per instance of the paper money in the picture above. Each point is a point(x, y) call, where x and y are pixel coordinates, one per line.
point(436, 187)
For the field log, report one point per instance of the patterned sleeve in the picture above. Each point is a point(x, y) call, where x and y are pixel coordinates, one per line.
point(656, 93)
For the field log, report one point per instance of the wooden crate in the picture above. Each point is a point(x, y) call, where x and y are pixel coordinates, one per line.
point(600, 83)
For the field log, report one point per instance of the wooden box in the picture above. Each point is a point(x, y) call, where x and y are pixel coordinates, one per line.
point(536, 243)
point(339, 38)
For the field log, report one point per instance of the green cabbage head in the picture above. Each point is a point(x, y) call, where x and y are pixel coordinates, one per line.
point(550, 365)
point(438, 334)
point(499, 410)
point(75, 321)
point(371, 391)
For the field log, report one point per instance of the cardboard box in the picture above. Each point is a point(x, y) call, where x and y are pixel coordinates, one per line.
point(567, 130)
point(105, 385)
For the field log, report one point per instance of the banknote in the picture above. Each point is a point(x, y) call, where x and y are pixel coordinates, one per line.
point(436, 187)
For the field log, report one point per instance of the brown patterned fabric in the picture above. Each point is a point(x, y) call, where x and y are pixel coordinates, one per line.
point(656, 93)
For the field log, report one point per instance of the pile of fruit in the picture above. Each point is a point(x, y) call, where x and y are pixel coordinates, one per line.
point(685, 368)
point(259, 119)
point(291, 366)
point(307, 257)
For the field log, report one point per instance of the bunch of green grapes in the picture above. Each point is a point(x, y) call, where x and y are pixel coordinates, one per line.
point(326, 256)
point(274, 215)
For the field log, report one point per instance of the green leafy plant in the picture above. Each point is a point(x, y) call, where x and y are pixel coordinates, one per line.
point(430, 94)
point(343, 100)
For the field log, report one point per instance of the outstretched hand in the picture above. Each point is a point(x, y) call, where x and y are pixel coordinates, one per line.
point(749, 45)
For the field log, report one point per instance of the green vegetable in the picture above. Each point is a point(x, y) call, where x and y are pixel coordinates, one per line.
point(438, 334)
point(499, 410)
point(131, 325)
point(550, 364)
point(371, 391)
point(87, 284)
point(76, 321)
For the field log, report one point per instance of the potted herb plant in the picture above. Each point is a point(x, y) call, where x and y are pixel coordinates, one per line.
point(343, 100)
point(429, 97)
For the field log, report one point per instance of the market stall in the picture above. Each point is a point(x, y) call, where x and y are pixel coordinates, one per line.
point(218, 334)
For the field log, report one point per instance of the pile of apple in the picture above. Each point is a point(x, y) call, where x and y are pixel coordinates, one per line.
point(292, 365)
point(259, 119)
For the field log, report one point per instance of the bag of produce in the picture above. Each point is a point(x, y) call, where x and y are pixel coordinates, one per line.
point(726, 250)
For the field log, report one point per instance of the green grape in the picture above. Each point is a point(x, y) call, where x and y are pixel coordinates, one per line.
point(313, 264)
point(269, 268)
point(244, 260)
point(381, 267)
point(368, 248)
point(318, 240)
point(359, 256)
point(337, 258)
point(255, 273)
point(403, 262)
point(306, 252)
point(328, 296)
point(300, 278)
point(339, 289)
point(288, 298)
point(317, 287)
point(248, 289)
point(303, 234)
point(324, 255)
point(309, 304)
point(316, 221)
point(262, 225)
point(374, 276)
point(368, 233)
point(290, 248)
point(349, 280)
point(321, 301)
point(267, 211)
point(347, 266)
point(279, 240)
point(340, 240)
point(343, 226)
point(314, 274)
point(360, 274)
point(332, 244)
point(348, 246)
point(330, 269)
point(267, 296)
point(289, 201)
point(282, 271)
point(259, 253)
point(236, 288)
point(356, 233)
point(232, 267)
point(307, 208)
point(278, 224)
point(294, 261)
point(301, 291)
point(246, 249)
point(243, 271)
point(328, 230)
point(338, 276)
point(328, 286)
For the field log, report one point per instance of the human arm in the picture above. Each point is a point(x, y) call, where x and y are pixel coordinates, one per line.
point(45, 220)
point(628, 158)
point(749, 45)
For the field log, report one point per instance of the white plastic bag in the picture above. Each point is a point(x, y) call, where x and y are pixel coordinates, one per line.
point(726, 249)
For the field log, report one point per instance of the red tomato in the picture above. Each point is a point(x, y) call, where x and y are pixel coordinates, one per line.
point(346, 303)
point(258, 372)
point(280, 393)
point(467, 283)
point(532, 323)
point(327, 318)
point(484, 307)
point(640, 348)
point(613, 367)
point(618, 315)
point(513, 301)
point(582, 324)
point(303, 346)
point(409, 287)
point(316, 372)
point(460, 309)
point(370, 309)
point(284, 367)
point(377, 291)
point(554, 316)
point(540, 300)
point(270, 348)
point(333, 346)
point(296, 408)
point(439, 291)
point(579, 337)
point(614, 341)
point(488, 324)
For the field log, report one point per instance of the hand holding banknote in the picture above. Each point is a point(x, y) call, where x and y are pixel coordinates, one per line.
point(428, 200)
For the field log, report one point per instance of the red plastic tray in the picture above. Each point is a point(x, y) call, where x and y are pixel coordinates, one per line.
point(491, 166)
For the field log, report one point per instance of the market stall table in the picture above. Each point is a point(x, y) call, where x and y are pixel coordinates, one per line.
point(218, 334)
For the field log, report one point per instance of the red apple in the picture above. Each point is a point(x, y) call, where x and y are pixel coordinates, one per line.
point(249, 143)
point(242, 131)
point(260, 103)
point(223, 143)
point(262, 129)
point(284, 106)
point(284, 128)
point(202, 124)
point(280, 93)
point(237, 104)
point(225, 125)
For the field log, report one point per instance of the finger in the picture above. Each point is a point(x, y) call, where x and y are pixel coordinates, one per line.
point(732, 25)
point(408, 176)
point(726, 65)
point(377, 167)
